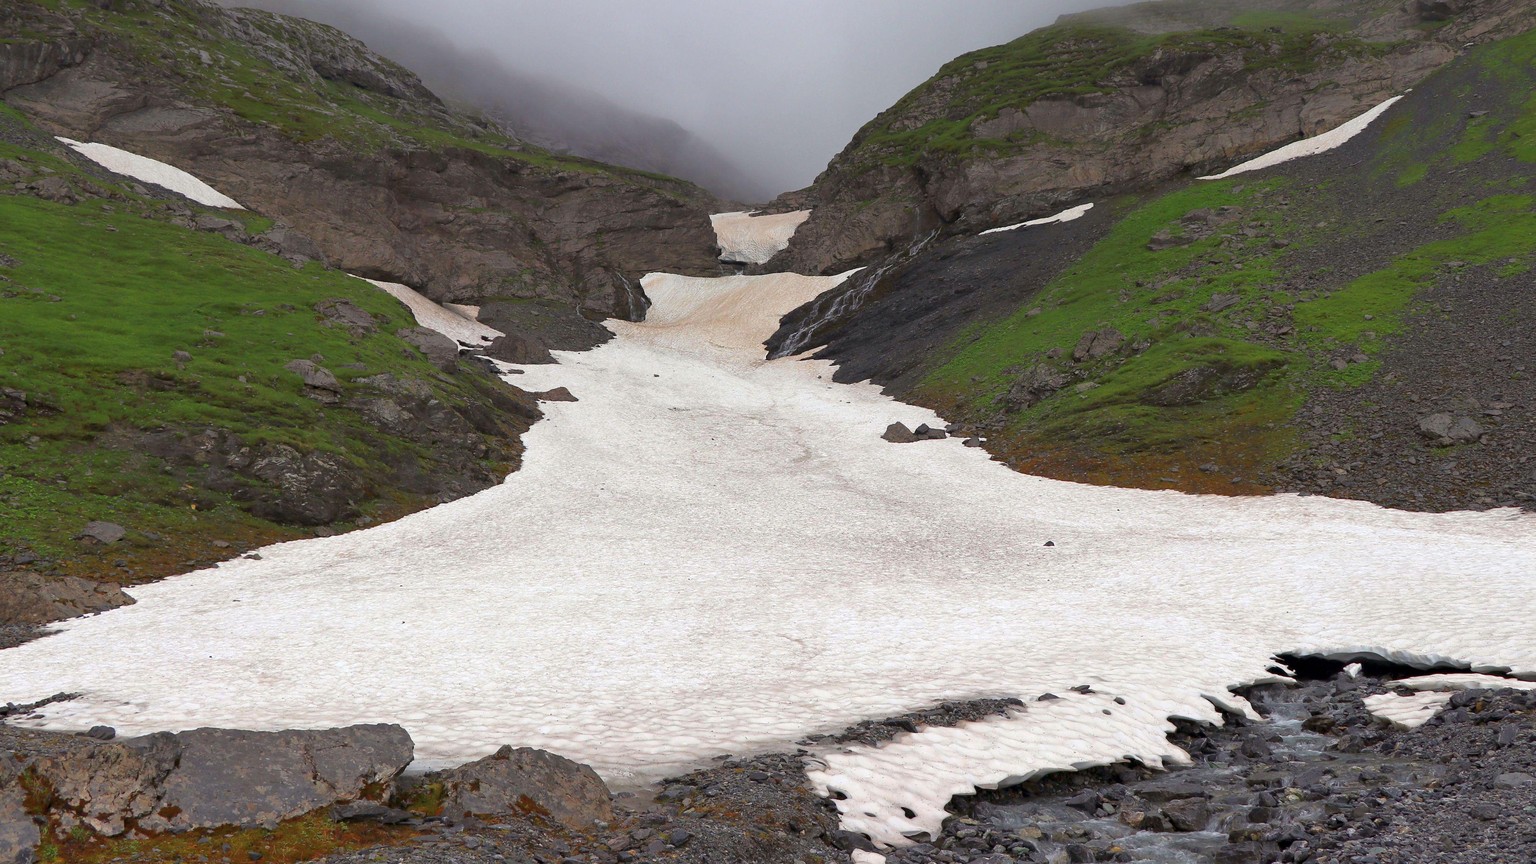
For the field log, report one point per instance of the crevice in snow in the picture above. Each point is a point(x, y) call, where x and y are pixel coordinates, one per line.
point(152, 171)
point(1313, 146)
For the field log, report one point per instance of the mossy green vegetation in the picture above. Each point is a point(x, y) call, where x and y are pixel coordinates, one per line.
point(96, 301)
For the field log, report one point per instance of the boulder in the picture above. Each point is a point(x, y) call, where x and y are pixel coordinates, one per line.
point(1188, 814)
point(31, 598)
point(1031, 388)
point(19, 835)
point(105, 533)
point(509, 781)
point(319, 383)
point(210, 778)
point(559, 394)
point(1096, 344)
point(312, 488)
point(442, 351)
point(339, 312)
point(898, 433)
point(522, 350)
point(1456, 430)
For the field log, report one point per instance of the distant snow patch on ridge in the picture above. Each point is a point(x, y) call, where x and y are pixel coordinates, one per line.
point(449, 321)
point(147, 170)
point(748, 239)
point(1075, 213)
point(1311, 146)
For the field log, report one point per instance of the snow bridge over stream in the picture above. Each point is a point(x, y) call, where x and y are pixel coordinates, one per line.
point(712, 553)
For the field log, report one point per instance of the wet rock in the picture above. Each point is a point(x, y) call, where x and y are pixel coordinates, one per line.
point(898, 433)
point(209, 778)
point(348, 315)
point(105, 533)
point(439, 349)
point(515, 781)
point(1188, 814)
point(34, 598)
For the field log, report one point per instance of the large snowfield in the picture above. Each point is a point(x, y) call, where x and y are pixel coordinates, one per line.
point(711, 553)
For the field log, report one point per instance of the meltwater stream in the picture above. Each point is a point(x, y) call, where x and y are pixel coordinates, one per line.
point(715, 553)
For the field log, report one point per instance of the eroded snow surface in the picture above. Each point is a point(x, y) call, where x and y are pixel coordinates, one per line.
point(147, 170)
point(1433, 694)
point(1069, 215)
point(456, 322)
point(745, 238)
point(1330, 140)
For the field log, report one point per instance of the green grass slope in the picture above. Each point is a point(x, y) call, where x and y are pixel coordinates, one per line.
point(1237, 299)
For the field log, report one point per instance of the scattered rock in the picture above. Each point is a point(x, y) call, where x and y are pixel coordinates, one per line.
point(509, 781)
point(319, 383)
point(559, 394)
point(898, 433)
point(105, 533)
point(1446, 428)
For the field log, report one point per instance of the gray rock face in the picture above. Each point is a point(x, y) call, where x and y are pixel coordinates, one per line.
point(509, 780)
point(348, 315)
point(32, 598)
point(13, 404)
point(210, 778)
point(316, 488)
point(1097, 344)
point(1033, 386)
point(1447, 428)
point(19, 835)
point(442, 351)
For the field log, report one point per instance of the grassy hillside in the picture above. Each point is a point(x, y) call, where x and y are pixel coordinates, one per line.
point(152, 361)
point(1238, 301)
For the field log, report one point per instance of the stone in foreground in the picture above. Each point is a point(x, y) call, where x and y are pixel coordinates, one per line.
point(508, 781)
point(210, 778)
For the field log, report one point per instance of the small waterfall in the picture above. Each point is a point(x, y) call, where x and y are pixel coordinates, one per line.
point(825, 312)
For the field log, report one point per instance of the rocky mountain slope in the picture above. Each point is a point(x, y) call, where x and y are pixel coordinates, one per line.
point(1354, 324)
point(1117, 101)
point(307, 126)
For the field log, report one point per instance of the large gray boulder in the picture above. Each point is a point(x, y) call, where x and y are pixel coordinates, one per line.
point(210, 778)
point(19, 835)
point(1446, 428)
point(32, 598)
point(442, 351)
point(509, 781)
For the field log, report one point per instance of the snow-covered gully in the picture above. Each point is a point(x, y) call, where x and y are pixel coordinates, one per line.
point(713, 553)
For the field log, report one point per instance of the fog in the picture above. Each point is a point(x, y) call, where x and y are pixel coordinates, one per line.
point(750, 99)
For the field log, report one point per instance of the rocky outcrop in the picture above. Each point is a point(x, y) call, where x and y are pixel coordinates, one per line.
point(19, 834)
point(209, 778)
point(434, 199)
point(34, 598)
point(1197, 101)
point(524, 780)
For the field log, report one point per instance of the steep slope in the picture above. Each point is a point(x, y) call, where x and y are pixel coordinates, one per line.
point(1356, 323)
point(164, 370)
point(307, 126)
point(1118, 101)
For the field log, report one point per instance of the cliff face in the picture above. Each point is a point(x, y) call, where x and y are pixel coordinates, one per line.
point(307, 126)
point(1116, 101)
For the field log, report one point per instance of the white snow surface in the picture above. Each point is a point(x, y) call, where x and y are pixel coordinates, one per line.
point(1329, 140)
point(750, 239)
point(1069, 215)
point(455, 322)
point(711, 553)
point(1434, 693)
point(147, 170)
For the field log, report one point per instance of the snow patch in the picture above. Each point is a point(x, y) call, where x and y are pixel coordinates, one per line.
point(1312, 146)
point(455, 322)
point(715, 553)
point(1413, 711)
point(1073, 214)
point(745, 238)
point(147, 170)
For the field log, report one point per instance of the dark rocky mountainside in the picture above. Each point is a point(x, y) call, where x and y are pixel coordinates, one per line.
point(1354, 323)
point(307, 126)
point(1117, 101)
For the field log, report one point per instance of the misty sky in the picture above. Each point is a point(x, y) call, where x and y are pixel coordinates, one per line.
point(778, 86)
